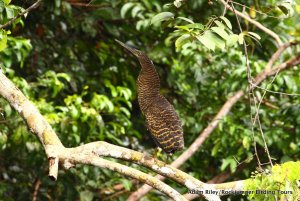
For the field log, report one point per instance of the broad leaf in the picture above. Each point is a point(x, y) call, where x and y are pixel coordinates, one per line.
point(221, 32)
point(164, 16)
point(126, 8)
point(227, 22)
point(181, 40)
point(186, 19)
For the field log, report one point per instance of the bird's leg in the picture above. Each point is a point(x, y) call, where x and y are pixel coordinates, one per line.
point(157, 152)
point(169, 158)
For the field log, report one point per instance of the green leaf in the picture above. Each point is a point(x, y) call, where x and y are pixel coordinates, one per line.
point(2, 6)
point(221, 32)
point(141, 24)
point(215, 149)
point(86, 196)
point(127, 184)
point(183, 28)
point(206, 41)
point(186, 19)
point(241, 38)
point(124, 92)
point(6, 1)
point(188, 27)
point(227, 22)
point(164, 16)
point(215, 39)
point(232, 40)
point(177, 3)
point(225, 163)
point(252, 35)
point(3, 40)
point(126, 8)
point(289, 82)
point(255, 35)
point(125, 111)
point(181, 40)
point(136, 10)
point(220, 24)
point(64, 76)
point(10, 13)
point(195, 26)
point(286, 8)
point(232, 165)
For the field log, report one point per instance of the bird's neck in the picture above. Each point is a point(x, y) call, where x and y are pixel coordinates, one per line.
point(148, 84)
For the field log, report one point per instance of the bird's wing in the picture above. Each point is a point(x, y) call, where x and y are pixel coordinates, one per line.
point(165, 126)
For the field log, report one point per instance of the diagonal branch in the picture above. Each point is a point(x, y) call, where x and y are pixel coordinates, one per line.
point(33, 6)
point(278, 53)
point(214, 123)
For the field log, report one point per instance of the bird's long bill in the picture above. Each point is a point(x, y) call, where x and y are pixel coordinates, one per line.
point(132, 50)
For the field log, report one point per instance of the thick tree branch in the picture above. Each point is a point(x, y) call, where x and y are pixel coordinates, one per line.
point(101, 148)
point(214, 123)
point(257, 24)
point(33, 6)
point(84, 155)
point(89, 153)
point(34, 120)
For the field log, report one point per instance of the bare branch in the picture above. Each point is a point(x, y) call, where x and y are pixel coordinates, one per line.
point(257, 24)
point(83, 155)
point(278, 53)
point(33, 6)
point(37, 185)
point(79, 4)
point(34, 120)
point(101, 148)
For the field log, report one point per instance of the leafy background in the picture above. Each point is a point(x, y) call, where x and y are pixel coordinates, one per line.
point(64, 59)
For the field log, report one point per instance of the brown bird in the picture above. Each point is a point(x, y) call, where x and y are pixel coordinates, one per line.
point(161, 118)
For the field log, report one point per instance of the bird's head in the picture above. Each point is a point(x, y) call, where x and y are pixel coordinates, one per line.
point(134, 51)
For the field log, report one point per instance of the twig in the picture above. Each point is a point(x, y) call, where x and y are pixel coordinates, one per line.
point(78, 4)
point(251, 91)
point(214, 123)
point(273, 92)
point(278, 53)
point(225, 8)
point(270, 63)
point(33, 6)
point(115, 195)
point(37, 185)
point(257, 24)
point(257, 11)
point(270, 105)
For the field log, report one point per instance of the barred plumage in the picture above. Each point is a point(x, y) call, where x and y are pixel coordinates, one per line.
point(161, 118)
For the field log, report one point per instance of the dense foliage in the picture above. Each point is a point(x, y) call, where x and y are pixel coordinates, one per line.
point(64, 59)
